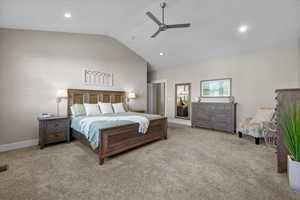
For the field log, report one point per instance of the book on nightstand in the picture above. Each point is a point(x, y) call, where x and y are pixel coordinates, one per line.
point(45, 115)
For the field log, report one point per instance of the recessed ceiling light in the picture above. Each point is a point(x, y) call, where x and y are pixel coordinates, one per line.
point(161, 53)
point(67, 15)
point(243, 29)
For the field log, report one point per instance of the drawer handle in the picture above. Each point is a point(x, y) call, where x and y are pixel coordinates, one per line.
point(56, 135)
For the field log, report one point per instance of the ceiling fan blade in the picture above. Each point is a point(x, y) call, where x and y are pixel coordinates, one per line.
point(153, 18)
point(179, 25)
point(156, 33)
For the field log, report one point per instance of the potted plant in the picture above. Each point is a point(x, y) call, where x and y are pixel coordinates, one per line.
point(291, 127)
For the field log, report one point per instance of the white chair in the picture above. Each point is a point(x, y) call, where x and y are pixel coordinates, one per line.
point(257, 125)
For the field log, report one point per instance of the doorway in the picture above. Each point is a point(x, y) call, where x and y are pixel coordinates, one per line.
point(156, 98)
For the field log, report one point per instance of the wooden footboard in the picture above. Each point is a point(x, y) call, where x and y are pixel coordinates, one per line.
point(118, 139)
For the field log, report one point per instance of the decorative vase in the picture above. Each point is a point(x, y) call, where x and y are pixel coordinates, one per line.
point(294, 174)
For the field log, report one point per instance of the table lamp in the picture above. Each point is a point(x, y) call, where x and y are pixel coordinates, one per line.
point(130, 96)
point(60, 94)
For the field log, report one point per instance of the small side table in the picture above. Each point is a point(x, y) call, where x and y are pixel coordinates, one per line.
point(53, 129)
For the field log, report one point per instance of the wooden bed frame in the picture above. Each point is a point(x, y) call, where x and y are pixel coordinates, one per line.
point(116, 139)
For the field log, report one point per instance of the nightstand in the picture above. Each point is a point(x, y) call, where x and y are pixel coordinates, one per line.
point(53, 129)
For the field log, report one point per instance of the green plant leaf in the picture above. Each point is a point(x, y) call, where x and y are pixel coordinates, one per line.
point(290, 123)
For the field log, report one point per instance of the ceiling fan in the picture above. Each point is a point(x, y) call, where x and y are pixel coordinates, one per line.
point(161, 25)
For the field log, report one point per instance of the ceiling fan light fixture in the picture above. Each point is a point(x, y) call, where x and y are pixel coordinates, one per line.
point(161, 53)
point(68, 15)
point(243, 29)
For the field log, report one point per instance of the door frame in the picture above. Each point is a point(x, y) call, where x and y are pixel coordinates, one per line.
point(165, 82)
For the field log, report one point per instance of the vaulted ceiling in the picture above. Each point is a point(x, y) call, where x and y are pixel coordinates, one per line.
point(213, 32)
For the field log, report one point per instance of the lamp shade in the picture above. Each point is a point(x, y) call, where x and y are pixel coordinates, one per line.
point(131, 95)
point(61, 93)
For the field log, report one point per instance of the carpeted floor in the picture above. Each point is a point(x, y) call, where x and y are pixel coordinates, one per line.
point(191, 164)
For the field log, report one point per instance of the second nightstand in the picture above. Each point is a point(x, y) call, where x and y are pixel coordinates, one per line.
point(53, 129)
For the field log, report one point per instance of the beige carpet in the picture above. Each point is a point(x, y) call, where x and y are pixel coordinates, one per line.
point(191, 164)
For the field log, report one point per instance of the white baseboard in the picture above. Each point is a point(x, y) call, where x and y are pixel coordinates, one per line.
point(180, 121)
point(18, 145)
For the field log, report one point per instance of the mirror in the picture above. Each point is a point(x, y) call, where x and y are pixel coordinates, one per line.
point(216, 88)
point(182, 100)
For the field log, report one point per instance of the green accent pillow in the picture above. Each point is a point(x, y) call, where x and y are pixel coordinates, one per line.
point(78, 110)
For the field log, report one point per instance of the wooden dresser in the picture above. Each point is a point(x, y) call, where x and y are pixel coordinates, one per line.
point(53, 129)
point(216, 116)
point(284, 96)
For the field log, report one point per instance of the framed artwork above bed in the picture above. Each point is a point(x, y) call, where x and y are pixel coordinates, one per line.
point(96, 77)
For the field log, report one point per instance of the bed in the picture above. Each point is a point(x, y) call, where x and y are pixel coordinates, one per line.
point(114, 138)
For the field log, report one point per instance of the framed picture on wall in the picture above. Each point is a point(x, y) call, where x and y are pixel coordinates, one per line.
point(216, 88)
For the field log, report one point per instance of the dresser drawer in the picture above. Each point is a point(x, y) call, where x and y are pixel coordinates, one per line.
point(229, 107)
point(56, 137)
point(201, 116)
point(201, 123)
point(227, 127)
point(56, 126)
point(222, 117)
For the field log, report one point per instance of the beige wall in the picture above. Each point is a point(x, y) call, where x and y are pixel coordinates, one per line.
point(33, 65)
point(255, 77)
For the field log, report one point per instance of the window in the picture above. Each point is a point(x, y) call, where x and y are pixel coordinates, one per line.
point(216, 88)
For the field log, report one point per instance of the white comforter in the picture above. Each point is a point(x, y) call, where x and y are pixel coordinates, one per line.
point(143, 122)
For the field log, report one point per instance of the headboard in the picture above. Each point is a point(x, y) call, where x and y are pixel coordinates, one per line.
point(78, 96)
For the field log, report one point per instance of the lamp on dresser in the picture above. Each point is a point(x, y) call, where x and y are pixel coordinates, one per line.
point(60, 94)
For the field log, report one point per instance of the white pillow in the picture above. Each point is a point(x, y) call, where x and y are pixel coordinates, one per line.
point(125, 106)
point(78, 110)
point(105, 107)
point(118, 107)
point(91, 109)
